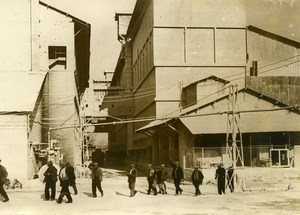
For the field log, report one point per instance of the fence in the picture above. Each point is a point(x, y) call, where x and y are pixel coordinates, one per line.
point(254, 156)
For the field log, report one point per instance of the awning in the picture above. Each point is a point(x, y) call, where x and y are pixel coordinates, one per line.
point(206, 124)
point(153, 124)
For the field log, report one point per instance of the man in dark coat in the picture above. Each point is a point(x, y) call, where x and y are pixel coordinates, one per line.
point(177, 175)
point(72, 177)
point(220, 176)
point(162, 176)
point(197, 178)
point(131, 180)
point(64, 176)
point(50, 179)
point(3, 177)
point(230, 178)
point(97, 177)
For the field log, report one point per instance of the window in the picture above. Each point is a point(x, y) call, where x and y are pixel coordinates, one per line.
point(57, 57)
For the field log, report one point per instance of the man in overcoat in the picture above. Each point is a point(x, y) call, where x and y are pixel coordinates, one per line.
point(50, 180)
point(197, 178)
point(177, 175)
point(220, 176)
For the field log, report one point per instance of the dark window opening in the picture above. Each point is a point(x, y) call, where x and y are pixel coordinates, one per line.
point(57, 56)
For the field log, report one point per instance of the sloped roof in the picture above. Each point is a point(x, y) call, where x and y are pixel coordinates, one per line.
point(19, 91)
point(274, 36)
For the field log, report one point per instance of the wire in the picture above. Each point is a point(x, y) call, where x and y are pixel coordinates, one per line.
point(134, 120)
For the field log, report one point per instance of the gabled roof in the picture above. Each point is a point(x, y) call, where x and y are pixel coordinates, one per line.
point(210, 77)
point(20, 91)
point(247, 90)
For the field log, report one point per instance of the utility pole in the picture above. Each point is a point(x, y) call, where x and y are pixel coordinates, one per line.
point(234, 141)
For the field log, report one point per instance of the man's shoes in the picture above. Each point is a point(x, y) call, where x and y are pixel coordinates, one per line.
point(134, 193)
point(180, 192)
point(5, 200)
point(69, 201)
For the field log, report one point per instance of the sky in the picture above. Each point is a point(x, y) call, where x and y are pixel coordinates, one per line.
point(277, 16)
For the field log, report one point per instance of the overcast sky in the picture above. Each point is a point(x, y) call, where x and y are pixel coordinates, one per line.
point(278, 16)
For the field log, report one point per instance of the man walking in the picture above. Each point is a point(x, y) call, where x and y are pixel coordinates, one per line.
point(151, 180)
point(97, 177)
point(162, 176)
point(197, 178)
point(177, 175)
point(3, 177)
point(50, 179)
point(220, 176)
point(71, 174)
point(64, 176)
point(131, 179)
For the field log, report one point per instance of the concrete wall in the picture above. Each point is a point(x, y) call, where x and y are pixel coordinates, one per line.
point(60, 89)
point(222, 13)
point(273, 58)
point(56, 30)
point(14, 145)
point(15, 50)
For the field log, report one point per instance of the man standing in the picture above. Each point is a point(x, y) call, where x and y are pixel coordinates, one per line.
point(97, 177)
point(162, 176)
point(50, 179)
point(131, 179)
point(64, 176)
point(220, 176)
point(197, 178)
point(151, 180)
point(3, 177)
point(72, 177)
point(177, 175)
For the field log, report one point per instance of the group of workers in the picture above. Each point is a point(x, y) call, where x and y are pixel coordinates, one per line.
point(156, 179)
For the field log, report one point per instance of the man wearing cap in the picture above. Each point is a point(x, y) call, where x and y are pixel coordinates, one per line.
point(151, 180)
point(197, 178)
point(97, 177)
point(3, 177)
point(131, 179)
point(177, 175)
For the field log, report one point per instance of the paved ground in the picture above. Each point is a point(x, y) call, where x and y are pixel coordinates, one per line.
point(116, 200)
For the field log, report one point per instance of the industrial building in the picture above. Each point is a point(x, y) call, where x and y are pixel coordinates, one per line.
point(188, 72)
point(43, 73)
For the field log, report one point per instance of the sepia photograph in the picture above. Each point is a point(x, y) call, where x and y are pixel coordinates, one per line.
point(149, 107)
